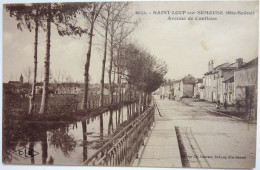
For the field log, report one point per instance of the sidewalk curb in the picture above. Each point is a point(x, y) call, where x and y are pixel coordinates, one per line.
point(233, 117)
point(223, 114)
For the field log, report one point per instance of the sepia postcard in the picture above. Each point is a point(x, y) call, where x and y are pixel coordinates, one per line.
point(130, 84)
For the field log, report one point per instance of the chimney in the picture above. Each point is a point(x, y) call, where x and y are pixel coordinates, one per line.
point(210, 66)
point(239, 62)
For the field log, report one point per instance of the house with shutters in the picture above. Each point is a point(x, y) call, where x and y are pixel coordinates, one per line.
point(217, 80)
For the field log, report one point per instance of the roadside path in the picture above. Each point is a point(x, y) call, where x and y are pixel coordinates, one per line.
point(204, 139)
point(161, 149)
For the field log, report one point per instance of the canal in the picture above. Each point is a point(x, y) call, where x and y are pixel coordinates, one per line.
point(69, 144)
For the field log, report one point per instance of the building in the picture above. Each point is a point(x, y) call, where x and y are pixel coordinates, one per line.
point(16, 87)
point(166, 90)
point(38, 88)
point(245, 85)
point(214, 80)
point(229, 90)
point(184, 87)
point(67, 88)
point(199, 89)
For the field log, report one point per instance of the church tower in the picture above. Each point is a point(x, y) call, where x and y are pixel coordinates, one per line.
point(21, 79)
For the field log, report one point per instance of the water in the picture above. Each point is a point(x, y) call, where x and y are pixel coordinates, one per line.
point(68, 145)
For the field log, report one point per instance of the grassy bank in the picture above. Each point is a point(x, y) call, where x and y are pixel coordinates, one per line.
point(60, 108)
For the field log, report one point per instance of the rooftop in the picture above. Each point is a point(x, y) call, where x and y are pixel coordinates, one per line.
point(251, 63)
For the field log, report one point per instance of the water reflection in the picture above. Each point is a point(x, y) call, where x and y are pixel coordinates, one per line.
point(31, 148)
point(110, 123)
point(61, 139)
point(67, 144)
point(44, 146)
point(101, 126)
point(84, 145)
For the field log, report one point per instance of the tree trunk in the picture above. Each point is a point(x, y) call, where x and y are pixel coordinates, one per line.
point(147, 100)
point(119, 115)
point(86, 75)
point(103, 67)
point(32, 97)
point(45, 93)
point(118, 76)
point(111, 88)
point(140, 103)
point(110, 122)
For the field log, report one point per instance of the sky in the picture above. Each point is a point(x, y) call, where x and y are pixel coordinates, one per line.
point(186, 46)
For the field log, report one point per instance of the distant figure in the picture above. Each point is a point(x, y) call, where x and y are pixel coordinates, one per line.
point(238, 105)
point(225, 104)
point(249, 107)
point(218, 105)
point(161, 97)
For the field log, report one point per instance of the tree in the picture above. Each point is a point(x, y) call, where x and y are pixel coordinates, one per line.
point(28, 17)
point(32, 97)
point(144, 72)
point(69, 79)
point(105, 21)
point(63, 15)
point(27, 73)
point(109, 15)
point(44, 101)
point(63, 74)
point(120, 27)
point(91, 16)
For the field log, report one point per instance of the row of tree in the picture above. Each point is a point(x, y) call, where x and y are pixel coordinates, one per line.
point(114, 23)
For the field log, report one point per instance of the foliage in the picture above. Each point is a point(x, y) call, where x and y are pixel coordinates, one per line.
point(64, 16)
point(142, 69)
point(65, 105)
point(25, 15)
point(60, 139)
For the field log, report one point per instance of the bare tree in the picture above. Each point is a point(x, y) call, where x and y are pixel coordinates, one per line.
point(58, 75)
point(104, 22)
point(63, 75)
point(121, 26)
point(28, 73)
point(69, 79)
point(91, 17)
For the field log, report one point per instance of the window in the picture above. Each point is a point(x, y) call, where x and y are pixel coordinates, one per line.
point(215, 82)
